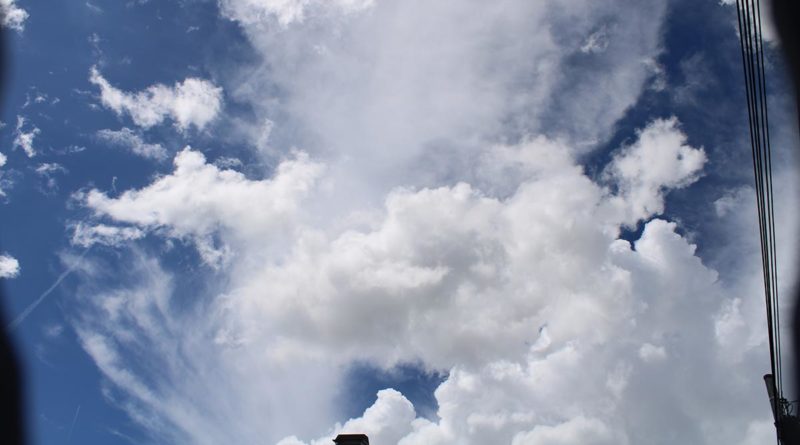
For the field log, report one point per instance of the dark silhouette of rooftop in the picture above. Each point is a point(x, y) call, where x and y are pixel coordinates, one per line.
point(351, 439)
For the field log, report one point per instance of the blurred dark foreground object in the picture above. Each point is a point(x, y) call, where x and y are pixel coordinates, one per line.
point(12, 422)
point(351, 439)
point(11, 414)
point(785, 16)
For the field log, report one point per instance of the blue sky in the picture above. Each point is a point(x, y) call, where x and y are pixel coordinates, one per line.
point(511, 219)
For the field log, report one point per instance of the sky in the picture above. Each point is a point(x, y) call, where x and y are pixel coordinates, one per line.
point(433, 222)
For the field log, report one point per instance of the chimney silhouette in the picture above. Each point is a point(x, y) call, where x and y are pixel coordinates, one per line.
point(351, 439)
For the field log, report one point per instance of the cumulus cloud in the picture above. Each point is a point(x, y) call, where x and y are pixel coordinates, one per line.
point(505, 391)
point(659, 159)
point(388, 420)
point(24, 138)
point(131, 140)
point(199, 199)
point(551, 327)
point(193, 102)
point(12, 16)
point(9, 266)
point(3, 159)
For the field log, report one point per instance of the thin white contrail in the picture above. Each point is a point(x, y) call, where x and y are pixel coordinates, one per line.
point(21, 317)
point(74, 419)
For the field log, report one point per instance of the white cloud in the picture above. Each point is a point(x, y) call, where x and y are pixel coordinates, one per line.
point(9, 266)
point(131, 140)
point(54, 331)
point(450, 277)
point(246, 387)
point(48, 168)
point(12, 15)
point(94, 8)
point(660, 158)
point(769, 33)
point(650, 353)
point(35, 97)
point(742, 320)
point(46, 172)
point(227, 162)
point(726, 204)
point(5, 182)
point(388, 420)
point(199, 199)
point(597, 42)
point(86, 235)
point(24, 139)
point(285, 12)
point(409, 93)
point(193, 102)
point(579, 430)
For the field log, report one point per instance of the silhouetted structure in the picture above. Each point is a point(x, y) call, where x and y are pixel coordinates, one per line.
point(351, 439)
point(786, 14)
point(784, 412)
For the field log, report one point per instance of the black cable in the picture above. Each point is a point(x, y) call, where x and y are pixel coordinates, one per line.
point(745, 40)
point(757, 77)
point(754, 71)
point(771, 207)
point(753, 65)
point(767, 186)
point(755, 122)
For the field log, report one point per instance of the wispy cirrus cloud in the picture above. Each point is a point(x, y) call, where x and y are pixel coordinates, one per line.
point(131, 140)
point(24, 138)
point(5, 182)
point(47, 172)
point(87, 235)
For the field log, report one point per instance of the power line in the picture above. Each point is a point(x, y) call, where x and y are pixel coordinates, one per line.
point(753, 65)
